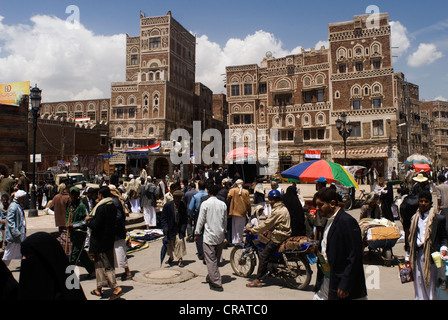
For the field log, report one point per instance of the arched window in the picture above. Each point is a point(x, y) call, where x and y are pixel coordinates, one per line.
point(342, 54)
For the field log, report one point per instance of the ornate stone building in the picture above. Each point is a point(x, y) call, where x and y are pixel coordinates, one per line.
point(437, 112)
point(157, 94)
point(303, 95)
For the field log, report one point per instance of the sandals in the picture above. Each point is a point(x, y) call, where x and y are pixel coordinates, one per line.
point(254, 284)
point(115, 296)
point(180, 263)
point(97, 293)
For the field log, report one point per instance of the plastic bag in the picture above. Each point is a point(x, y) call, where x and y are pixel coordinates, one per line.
point(405, 272)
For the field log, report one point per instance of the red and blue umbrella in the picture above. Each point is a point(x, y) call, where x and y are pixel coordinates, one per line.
point(310, 171)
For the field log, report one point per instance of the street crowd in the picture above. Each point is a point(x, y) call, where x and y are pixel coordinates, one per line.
point(214, 211)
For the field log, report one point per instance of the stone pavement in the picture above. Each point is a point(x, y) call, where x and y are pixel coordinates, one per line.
point(153, 281)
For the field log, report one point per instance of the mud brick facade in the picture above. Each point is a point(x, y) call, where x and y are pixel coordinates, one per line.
point(303, 95)
point(436, 144)
point(13, 138)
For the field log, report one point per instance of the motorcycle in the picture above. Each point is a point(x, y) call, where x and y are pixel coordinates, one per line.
point(293, 266)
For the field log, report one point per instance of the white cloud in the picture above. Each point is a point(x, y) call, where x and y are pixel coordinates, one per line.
point(71, 64)
point(66, 64)
point(212, 59)
point(440, 98)
point(426, 53)
point(321, 43)
point(399, 38)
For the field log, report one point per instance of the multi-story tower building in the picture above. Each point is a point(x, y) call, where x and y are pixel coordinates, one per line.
point(303, 95)
point(438, 114)
point(157, 94)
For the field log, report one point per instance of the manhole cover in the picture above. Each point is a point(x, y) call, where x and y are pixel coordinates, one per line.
point(164, 276)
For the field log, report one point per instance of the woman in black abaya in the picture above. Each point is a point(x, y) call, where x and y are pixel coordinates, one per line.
point(43, 272)
point(292, 203)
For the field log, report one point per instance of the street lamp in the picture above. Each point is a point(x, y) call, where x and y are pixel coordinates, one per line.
point(344, 129)
point(35, 97)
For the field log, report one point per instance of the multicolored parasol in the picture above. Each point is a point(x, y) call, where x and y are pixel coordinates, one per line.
point(310, 171)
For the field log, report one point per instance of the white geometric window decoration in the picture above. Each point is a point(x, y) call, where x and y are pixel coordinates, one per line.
point(155, 100)
point(276, 122)
point(366, 90)
point(306, 119)
point(320, 118)
point(319, 79)
point(155, 32)
point(145, 100)
point(283, 84)
point(235, 80)
point(375, 49)
point(356, 90)
point(307, 81)
point(342, 54)
point(376, 88)
point(358, 51)
point(290, 120)
point(337, 95)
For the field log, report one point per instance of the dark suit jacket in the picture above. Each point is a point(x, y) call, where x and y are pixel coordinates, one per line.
point(168, 223)
point(344, 253)
point(102, 224)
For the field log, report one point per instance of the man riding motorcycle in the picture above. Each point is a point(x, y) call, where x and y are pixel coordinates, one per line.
point(279, 225)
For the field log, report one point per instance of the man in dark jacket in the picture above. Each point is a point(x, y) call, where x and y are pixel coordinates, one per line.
point(341, 250)
point(174, 221)
point(102, 224)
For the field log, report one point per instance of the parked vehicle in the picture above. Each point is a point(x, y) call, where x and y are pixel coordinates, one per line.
point(74, 179)
point(293, 266)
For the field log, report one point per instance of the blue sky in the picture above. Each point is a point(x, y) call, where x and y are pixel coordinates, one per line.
point(35, 44)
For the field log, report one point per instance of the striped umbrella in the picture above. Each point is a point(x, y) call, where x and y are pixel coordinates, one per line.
point(310, 171)
point(417, 158)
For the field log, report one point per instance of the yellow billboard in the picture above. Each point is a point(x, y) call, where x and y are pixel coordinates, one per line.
point(11, 93)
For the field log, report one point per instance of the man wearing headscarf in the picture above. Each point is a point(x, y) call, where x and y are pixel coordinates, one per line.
point(121, 260)
point(133, 192)
point(240, 210)
point(15, 229)
point(174, 221)
point(148, 203)
point(101, 222)
point(427, 235)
